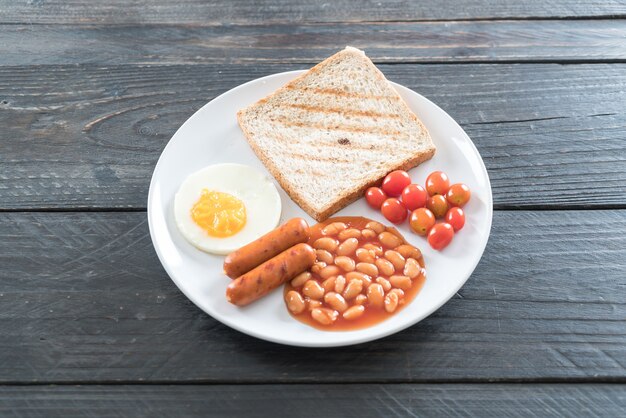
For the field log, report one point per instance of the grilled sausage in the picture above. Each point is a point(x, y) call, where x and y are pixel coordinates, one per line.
point(268, 276)
point(274, 242)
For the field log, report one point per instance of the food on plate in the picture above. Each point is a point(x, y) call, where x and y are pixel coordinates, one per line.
point(456, 218)
point(292, 232)
point(438, 205)
point(421, 221)
point(269, 275)
point(414, 196)
point(375, 197)
point(437, 182)
point(333, 132)
point(364, 273)
point(440, 235)
point(225, 206)
point(394, 210)
point(458, 194)
point(395, 182)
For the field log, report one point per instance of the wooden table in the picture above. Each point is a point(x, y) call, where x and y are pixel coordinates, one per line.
point(90, 323)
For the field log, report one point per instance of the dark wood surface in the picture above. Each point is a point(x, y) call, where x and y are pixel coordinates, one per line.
point(91, 325)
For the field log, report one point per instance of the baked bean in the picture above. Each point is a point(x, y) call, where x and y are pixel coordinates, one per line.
point(402, 282)
point(354, 288)
point(412, 268)
point(334, 228)
point(384, 283)
point(345, 263)
point(367, 256)
point(329, 271)
point(360, 299)
point(364, 278)
point(391, 302)
point(324, 316)
point(354, 312)
point(375, 226)
point(336, 301)
point(368, 233)
point(312, 304)
point(317, 267)
point(295, 302)
point(325, 256)
point(396, 259)
point(329, 284)
point(378, 251)
point(340, 284)
point(376, 295)
point(398, 292)
point(301, 278)
point(326, 243)
point(367, 268)
point(313, 290)
point(409, 251)
point(348, 246)
point(388, 239)
point(385, 267)
point(349, 233)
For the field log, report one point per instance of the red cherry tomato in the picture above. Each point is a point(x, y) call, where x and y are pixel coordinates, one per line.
point(421, 221)
point(458, 194)
point(393, 210)
point(440, 235)
point(414, 196)
point(395, 182)
point(375, 197)
point(437, 182)
point(438, 205)
point(456, 218)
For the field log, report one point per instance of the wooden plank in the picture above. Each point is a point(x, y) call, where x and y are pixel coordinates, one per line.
point(346, 401)
point(88, 136)
point(218, 12)
point(84, 299)
point(549, 41)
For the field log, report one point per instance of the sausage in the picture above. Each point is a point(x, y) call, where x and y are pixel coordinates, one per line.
point(268, 276)
point(249, 256)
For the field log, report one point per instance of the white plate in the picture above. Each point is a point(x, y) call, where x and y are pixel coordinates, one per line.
point(212, 136)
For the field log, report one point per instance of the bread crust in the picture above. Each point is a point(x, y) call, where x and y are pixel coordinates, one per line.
point(348, 196)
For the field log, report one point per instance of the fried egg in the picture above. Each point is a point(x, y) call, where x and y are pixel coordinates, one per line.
point(223, 207)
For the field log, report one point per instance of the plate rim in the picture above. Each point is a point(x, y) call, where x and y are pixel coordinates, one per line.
point(354, 341)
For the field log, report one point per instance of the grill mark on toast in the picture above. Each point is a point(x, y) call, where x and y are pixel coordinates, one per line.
point(320, 126)
point(343, 111)
point(330, 144)
point(336, 92)
point(308, 157)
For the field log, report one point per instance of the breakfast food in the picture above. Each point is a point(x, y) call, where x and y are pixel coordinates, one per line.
point(334, 131)
point(244, 259)
point(269, 275)
point(225, 206)
point(439, 200)
point(364, 273)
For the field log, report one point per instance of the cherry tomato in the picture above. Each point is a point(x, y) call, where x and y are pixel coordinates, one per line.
point(437, 182)
point(375, 197)
point(421, 221)
point(438, 205)
point(458, 194)
point(393, 210)
point(456, 218)
point(414, 196)
point(440, 235)
point(395, 182)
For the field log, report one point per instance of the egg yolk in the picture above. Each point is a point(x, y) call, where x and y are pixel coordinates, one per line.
point(219, 214)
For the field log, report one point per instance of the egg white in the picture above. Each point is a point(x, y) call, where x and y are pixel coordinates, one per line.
point(253, 188)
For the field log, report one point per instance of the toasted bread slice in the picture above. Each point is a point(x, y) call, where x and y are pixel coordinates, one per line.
point(333, 132)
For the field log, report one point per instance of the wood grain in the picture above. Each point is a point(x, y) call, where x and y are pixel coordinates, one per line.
point(345, 401)
point(200, 12)
point(492, 41)
point(84, 299)
point(88, 136)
